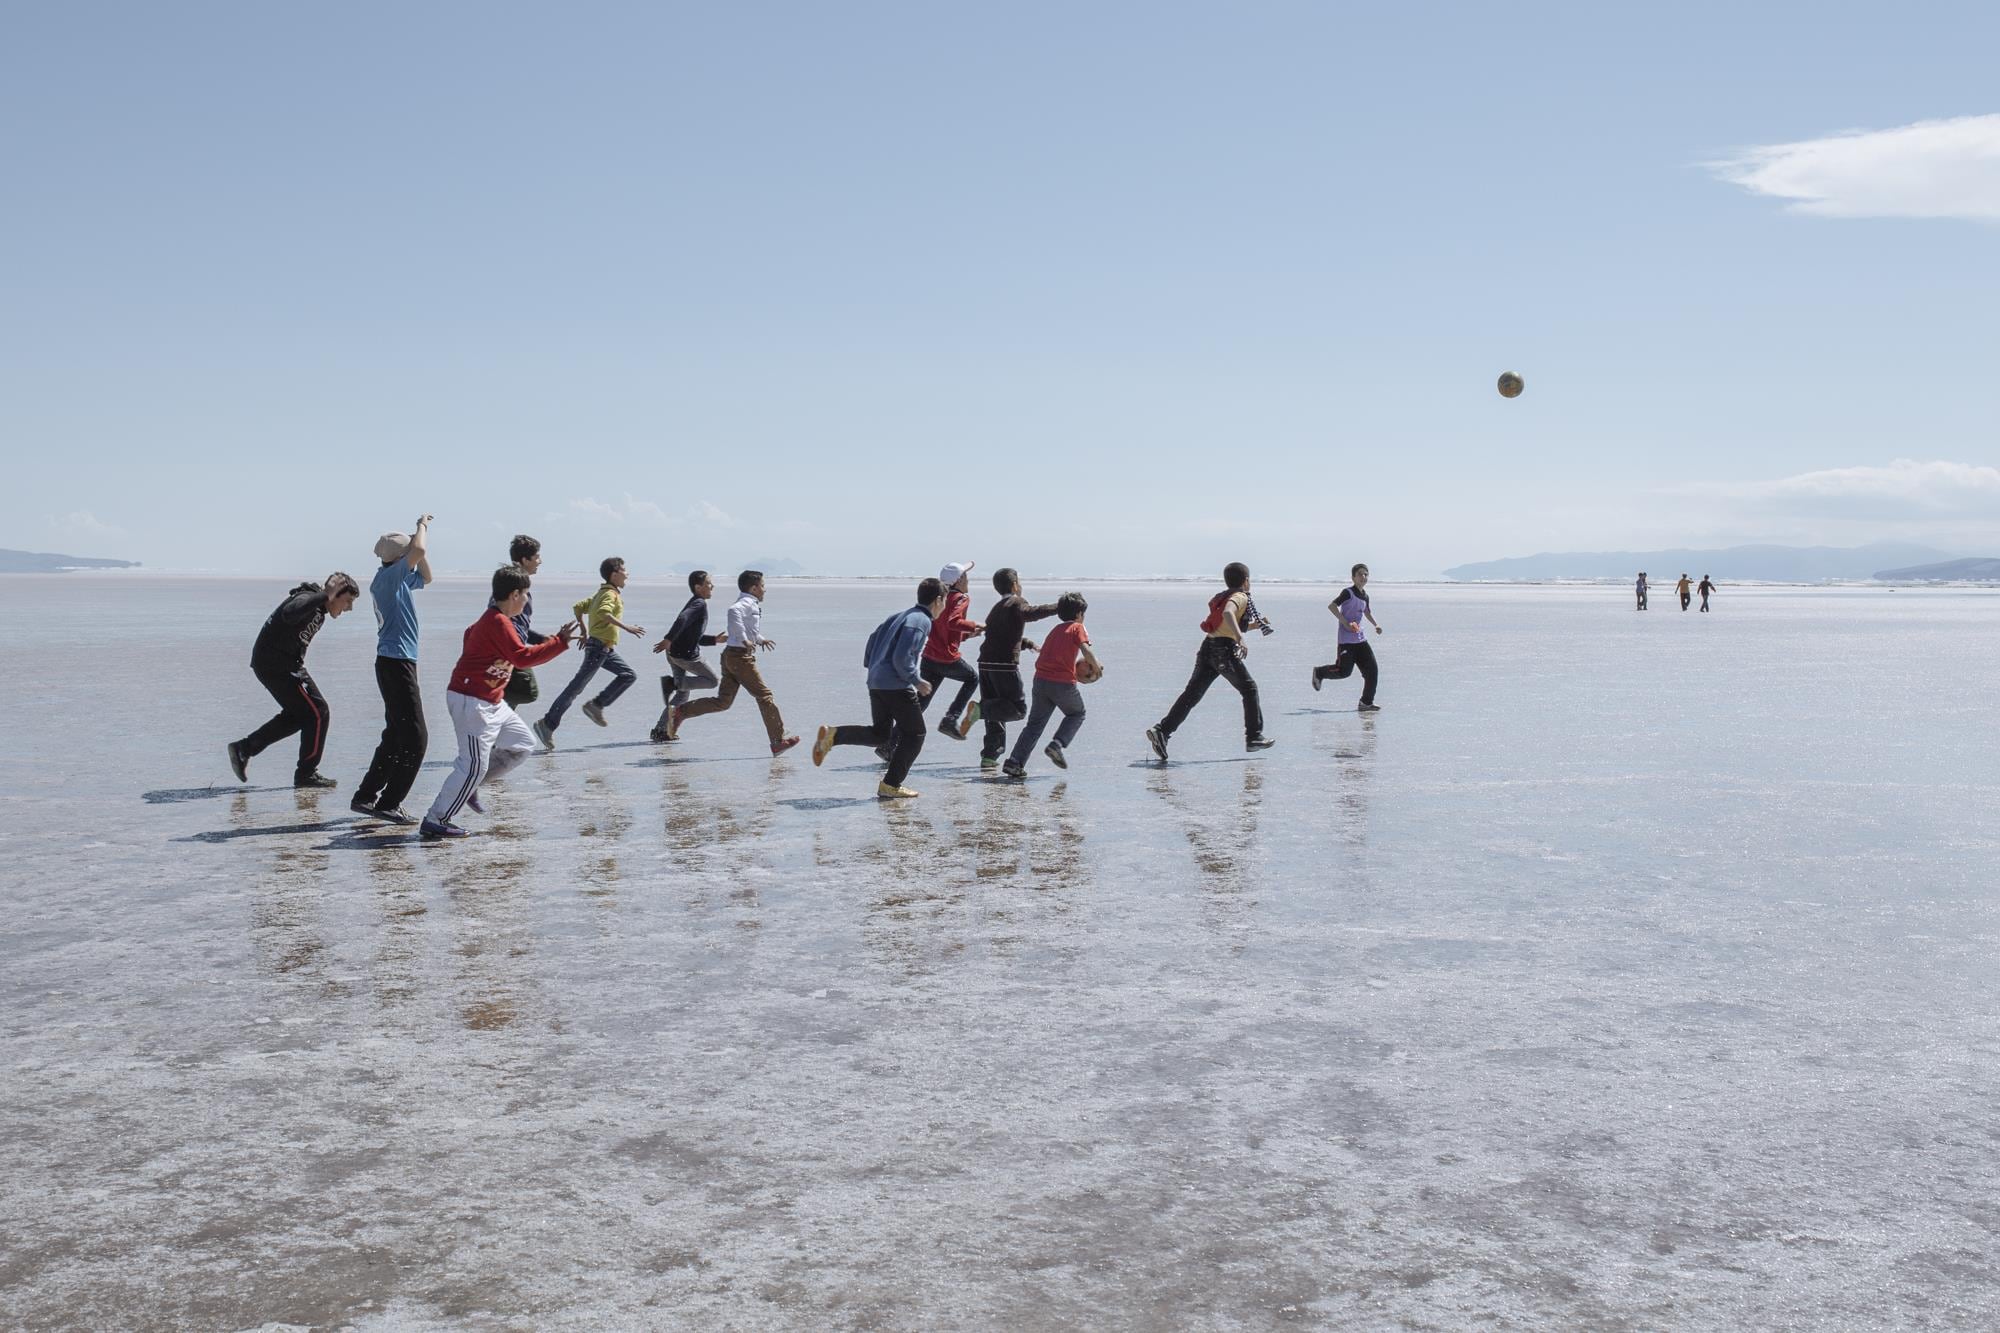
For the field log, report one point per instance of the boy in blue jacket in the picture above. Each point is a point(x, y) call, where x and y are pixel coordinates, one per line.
point(896, 691)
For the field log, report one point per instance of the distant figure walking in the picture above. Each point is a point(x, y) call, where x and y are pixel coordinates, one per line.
point(1642, 590)
point(1350, 608)
point(279, 660)
point(1685, 589)
point(1707, 587)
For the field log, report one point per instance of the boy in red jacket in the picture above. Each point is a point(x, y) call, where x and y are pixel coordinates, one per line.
point(492, 738)
point(942, 660)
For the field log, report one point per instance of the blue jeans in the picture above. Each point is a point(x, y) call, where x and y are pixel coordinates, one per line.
point(1049, 696)
point(595, 655)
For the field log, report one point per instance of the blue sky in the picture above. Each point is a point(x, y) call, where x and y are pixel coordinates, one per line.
point(1120, 289)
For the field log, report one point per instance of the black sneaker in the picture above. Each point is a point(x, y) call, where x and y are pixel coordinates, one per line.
point(1055, 754)
point(1259, 743)
point(394, 814)
point(1369, 708)
point(884, 753)
point(1316, 680)
point(436, 828)
point(1014, 770)
point(361, 805)
point(239, 762)
point(315, 780)
point(948, 726)
point(1159, 740)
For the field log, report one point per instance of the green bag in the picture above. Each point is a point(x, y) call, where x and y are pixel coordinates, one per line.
point(521, 688)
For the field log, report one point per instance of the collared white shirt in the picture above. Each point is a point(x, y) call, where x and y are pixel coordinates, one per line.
point(746, 622)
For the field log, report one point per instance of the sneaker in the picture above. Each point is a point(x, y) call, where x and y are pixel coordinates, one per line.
point(884, 753)
point(658, 735)
point(784, 745)
point(1014, 770)
point(595, 712)
point(884, 792)
point(361, 805)
point(394, 815)
point(544, 734)
point(477, 806)
point(1159, 740)
point(987, 765)
point(1368, 708)
point(1055, 754)
point(948, 726)
point(822, 746)
point(437, 828)
point(239, 762)
point(1259, 743)
point(318, 781)
point(971, 720)
point(1316, 680)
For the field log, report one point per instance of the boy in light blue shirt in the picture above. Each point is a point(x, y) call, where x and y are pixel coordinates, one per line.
point(406, 567)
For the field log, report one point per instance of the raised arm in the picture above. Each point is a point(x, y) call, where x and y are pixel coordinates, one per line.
point(418, 557)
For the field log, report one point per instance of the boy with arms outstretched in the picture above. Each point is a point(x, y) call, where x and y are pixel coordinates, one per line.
point(1351, 607)
point(599, 614)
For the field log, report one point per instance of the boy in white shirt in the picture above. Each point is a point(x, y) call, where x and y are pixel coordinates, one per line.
point(739, 666)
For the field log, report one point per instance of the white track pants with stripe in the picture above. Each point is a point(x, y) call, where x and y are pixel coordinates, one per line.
point(492, 738)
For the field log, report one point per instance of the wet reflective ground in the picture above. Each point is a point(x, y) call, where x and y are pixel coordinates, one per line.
point(1626, 972)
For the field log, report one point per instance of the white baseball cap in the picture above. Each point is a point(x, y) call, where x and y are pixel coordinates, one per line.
point(952, 573)
point(391, 546)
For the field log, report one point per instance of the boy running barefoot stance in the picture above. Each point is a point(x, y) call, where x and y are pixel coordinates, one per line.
point(1221, 655)
point(1056, 687)
point(1350, 608)
point(599, 613)
point(943, 660)
point(739, 666)
point(682, 644)
point(279, 661)
point(1001, 697)
point(406, 567)
point(492, 738)
point(896, 692)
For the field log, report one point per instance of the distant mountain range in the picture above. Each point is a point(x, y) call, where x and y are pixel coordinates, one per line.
point(1976, 569)
point(47, 562)
point(1775, 564)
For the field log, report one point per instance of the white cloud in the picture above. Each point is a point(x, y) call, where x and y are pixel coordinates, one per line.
point(82, 523)
point(630, 508)
point(705, 512)
point(1932, 169)
point(1905, 489)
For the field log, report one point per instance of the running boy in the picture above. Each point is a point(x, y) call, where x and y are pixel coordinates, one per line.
point(1221, 654)
point(279, 661)
point(1056, 687)
point(1001, 697)
point(682, 644)
point(1350, 608)
point(492, 739)
point(896, 692)
point(739, 666)
point(599, 613)
point(522, 687)
point(406, 567)
point(942, 658)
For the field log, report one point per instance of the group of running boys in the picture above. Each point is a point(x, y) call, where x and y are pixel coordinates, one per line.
point(907, 659)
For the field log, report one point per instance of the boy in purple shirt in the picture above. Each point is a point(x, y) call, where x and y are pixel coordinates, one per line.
point(1351, 608)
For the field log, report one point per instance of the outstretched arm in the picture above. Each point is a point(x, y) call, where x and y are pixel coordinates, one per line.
point(418, 557)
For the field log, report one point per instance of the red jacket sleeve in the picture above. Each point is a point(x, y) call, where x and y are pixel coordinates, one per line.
point(509, 646)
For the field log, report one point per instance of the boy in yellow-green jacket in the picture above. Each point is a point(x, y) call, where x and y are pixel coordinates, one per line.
point(598, 614)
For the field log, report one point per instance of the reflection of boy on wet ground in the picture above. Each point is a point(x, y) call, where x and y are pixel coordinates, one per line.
point(682, 644)
point(1001, 696)
point(1351, 607)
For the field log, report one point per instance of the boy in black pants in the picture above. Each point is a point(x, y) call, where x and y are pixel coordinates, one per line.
point(682, 644)
point(1001, 697)
point(1221, 654)
point(1351, 607)
point(522, 687)
point(279, 659)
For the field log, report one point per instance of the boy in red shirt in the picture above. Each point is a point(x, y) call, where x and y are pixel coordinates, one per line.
point(942, 661)
point(1055, 687)
point(492, 738)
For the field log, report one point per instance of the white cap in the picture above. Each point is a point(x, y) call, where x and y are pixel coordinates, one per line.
point(952, 573)
point(391, 546)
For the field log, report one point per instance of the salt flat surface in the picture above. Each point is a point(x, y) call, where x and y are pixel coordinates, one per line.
point(1628, 971)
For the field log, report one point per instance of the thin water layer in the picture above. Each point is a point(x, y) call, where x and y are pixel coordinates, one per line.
point(1627, 971)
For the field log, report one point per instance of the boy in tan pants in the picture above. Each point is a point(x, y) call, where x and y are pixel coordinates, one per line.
point(739, 666)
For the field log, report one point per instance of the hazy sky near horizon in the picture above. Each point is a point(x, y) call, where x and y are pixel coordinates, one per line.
point(1104, 289)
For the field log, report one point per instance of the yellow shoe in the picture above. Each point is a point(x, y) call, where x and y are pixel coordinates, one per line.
point(823, 746)
point(887, 793)
point(971, 719)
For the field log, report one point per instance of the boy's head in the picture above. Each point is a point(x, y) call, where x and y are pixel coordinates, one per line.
point(752, 582)
point(1007, 581)
point(526, 552)
point(1360, 575)
point(1236, 576)
point(954, 575)
point(392, 546)
point(1071, 606)
point(612, 570)
point(700, 584)
point(341, 590)
point(930, 596)
point(510, 589)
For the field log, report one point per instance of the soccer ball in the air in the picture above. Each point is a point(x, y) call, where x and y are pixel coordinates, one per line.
point(1511, 385)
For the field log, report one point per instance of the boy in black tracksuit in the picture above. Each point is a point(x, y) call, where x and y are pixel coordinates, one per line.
point(1220, 657)
point(682, 644)
point(279, 661)
point(1001, 696)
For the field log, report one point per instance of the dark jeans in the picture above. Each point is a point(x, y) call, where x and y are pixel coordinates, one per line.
point(1049, 696)
point(1685, 599)
point(305, 713)
point(400, 754)
point(595, 654)
point(688, 675)
point(1642, 601)
point(1001, 700)
point(1704, 601)
point(1217, 657)
point(939, 672)
point(899, 716)
point(1354, 655)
